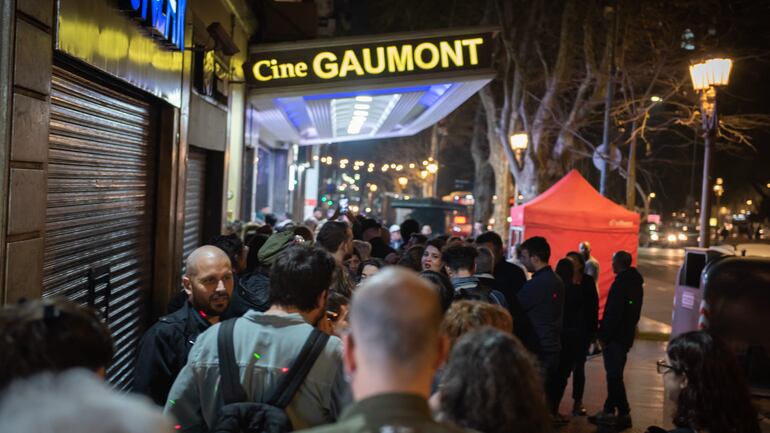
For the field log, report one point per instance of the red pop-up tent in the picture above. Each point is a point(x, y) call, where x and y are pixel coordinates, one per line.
point(572, 211)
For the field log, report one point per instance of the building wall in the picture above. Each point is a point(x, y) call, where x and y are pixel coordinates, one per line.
point(235, 18)
point(27, 40)
point(25, 75)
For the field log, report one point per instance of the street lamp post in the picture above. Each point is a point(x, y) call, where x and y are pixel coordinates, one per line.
point(719, 189)
point(706, 77)
point(648, 203)
point(519, 143)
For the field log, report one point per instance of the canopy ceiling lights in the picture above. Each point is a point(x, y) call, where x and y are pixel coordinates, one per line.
point(419, 79)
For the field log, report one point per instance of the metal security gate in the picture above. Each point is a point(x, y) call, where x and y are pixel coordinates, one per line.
point(195, 199)
point(100, 214)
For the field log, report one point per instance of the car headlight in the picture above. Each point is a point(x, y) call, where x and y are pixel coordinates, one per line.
point(671, 238)
point(681, 237)
point(654, 236)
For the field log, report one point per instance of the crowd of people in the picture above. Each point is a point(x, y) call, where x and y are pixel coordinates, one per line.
point(346, 325)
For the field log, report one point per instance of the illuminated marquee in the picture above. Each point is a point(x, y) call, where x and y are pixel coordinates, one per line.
point(286, 67)
point(164, 19)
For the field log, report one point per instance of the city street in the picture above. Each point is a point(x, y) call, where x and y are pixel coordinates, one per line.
point(659, 267)
point(644, 385)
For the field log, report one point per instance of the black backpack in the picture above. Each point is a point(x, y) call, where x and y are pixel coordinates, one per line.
point(479, 293)
point(238, 415)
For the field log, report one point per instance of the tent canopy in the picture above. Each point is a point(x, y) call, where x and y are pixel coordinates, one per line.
point(572, 211)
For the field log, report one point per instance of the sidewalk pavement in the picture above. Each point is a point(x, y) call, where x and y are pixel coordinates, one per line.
point(644, 387)
point(649, 329)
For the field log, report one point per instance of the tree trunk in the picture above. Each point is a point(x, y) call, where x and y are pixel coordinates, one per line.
point(503, 189)
point(484, 175)
point(483, 186)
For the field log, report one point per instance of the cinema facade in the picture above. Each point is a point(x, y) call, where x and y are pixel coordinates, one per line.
point(131, 131)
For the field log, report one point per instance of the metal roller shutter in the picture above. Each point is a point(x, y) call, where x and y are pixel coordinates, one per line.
point(101, 200)
point(195, 197)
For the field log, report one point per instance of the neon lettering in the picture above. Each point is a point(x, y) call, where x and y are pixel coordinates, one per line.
point(258, 73)
point(373, 61)
point(325, 70)
point(350, 63)
point(471, 44)
point(400, 60)
point(367, 53)
point(448, 52)
point(418, 55)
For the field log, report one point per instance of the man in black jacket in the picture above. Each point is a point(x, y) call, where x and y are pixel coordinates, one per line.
point(509, 278)
point(616, 335)
point(208, 282)
point(542, 299)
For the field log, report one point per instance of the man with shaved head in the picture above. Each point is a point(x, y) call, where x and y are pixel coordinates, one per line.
point(208, 283)
point(391, 354)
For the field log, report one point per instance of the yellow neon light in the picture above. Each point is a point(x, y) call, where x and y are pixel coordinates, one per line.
point(374, 61)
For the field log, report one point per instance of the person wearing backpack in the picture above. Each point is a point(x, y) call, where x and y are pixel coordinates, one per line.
point(391, 355)
point(265, 347)
point(459, 262)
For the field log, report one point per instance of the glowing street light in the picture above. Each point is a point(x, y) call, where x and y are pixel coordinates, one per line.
point(424, 174)
point(653, 195)
point(710, 73)
point(519, 141)
point(706, 77)
point(432, 168)
point(373, 188)
point(403, 180)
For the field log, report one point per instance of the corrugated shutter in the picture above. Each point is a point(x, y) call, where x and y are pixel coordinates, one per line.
point(195, 194)
point(101, 200)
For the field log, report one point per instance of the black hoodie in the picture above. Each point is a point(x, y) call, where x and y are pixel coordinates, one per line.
point(251, 293)
point(623, 308)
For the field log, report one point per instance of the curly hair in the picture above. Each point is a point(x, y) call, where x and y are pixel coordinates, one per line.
point(52, 334)
point(712, 373)
point(464, 316)
point(492, 384)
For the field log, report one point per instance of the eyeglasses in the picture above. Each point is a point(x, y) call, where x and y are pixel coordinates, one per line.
point(664, 368)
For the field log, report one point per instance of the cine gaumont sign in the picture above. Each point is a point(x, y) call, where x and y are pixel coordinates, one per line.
point(380, 57)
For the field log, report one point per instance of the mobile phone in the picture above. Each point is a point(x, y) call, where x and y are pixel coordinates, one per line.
point(343, 205)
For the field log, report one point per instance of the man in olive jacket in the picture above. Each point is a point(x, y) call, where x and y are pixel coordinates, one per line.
point(391, 356)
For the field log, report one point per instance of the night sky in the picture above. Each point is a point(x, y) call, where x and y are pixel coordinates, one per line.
point(747, 39)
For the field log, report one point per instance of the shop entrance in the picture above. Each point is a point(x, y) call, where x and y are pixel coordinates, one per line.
point(101, 205)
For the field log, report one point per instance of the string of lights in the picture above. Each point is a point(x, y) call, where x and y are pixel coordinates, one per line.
point(427, 166)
